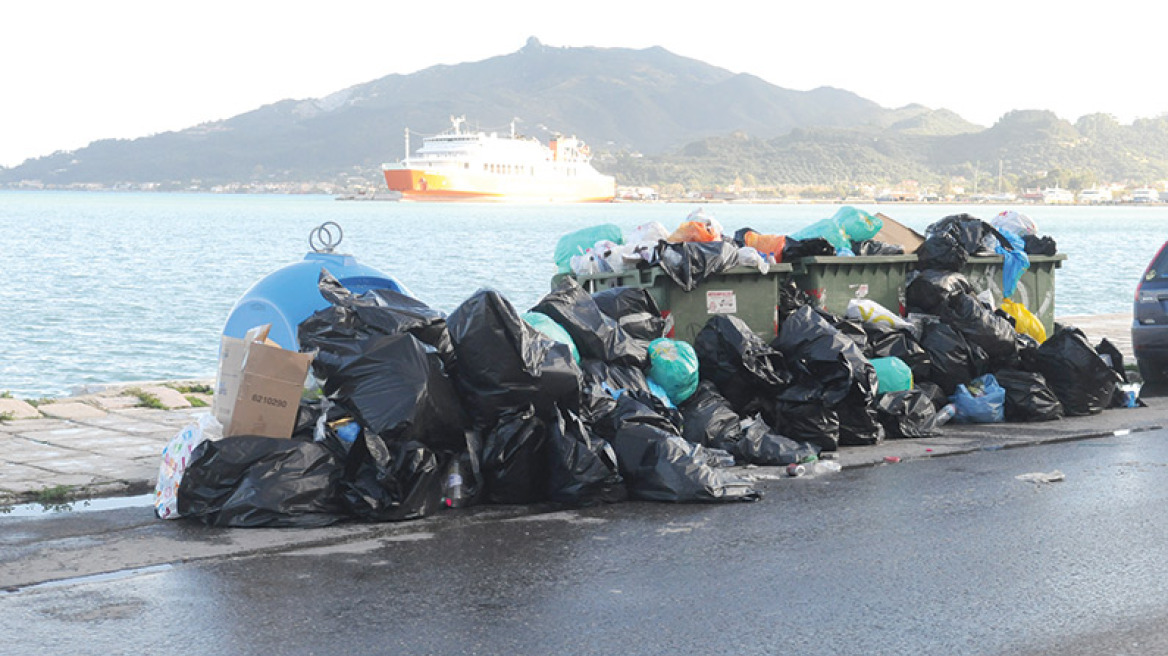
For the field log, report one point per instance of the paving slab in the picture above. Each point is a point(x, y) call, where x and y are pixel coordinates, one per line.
point(70, 410)
point(17, 409)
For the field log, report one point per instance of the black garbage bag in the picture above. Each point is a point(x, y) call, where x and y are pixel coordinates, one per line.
point(761, 445)
point(819, 355)
point(396, 388)
point(689, 263)
point(339, 330)
point(709, 419)
point(249, 481)
point(854, 330)
point(390, 481)
point(1114, 359)
point(929, 289)
point(954, 360)
point(596, 334)
point(1036, 245)
point(791, 298)
point(973, 234)
point(634, 309)
point(886, 341)
point(982, 327)
point(1028, 397)
point(1079, 377)
point(942, 252)
point(933, 391)
point(876, 247)
point(514, 462)
point(504, 363)
point(907, 414)
point(657, 464)
point(613, 376)
point(795, 249)
point(823, 359)
point(805, 417)
point(738, 361)
point(582, 468)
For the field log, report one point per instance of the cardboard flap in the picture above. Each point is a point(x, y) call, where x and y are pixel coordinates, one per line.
point(899, 234)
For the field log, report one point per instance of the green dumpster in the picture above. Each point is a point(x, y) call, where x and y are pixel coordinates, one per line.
point(832, 281)
point(742, 291)
point(1035, 288)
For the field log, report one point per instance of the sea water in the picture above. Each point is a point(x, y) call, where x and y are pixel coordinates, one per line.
point(103, 287)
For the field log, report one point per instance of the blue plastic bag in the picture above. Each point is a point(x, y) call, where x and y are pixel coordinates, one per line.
point(983, 401)
point(1014, 262)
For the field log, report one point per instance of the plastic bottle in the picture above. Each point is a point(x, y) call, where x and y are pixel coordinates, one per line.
point(945, 414)
point(453, 494)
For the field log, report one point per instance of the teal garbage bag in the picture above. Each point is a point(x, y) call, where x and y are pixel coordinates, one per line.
point(826, 229)
point(1014, 262)
point(673, 365)
point(982, 401)
point(575, 243)
point(857, 224)
point(892, 374)
point(848, 224)
point(548, 326)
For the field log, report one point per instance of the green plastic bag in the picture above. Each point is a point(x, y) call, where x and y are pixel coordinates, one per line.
point(575, 243)
point(548, 326)
point(673, 365)
point(893, 375)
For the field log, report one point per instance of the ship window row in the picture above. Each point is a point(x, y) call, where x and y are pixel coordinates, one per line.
point(509, 169)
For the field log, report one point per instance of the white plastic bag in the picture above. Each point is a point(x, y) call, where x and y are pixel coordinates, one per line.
point(870, 311)
point(648, 234)
point(1015, 222)
point(750, 257)
point(175, 458)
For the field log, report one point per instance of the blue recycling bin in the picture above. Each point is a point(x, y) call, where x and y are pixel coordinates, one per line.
point(290, 295)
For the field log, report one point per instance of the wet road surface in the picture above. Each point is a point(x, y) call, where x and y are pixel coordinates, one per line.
point(953, 555)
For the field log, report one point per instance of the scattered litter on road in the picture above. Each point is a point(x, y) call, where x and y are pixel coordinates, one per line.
point(1040, 477)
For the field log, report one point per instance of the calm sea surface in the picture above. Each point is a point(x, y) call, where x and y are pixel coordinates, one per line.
point(113, 287)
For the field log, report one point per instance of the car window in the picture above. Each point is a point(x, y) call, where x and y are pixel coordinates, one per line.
point(1158, 270)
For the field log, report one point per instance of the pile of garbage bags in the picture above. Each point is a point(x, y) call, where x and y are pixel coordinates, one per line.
point(583, 399)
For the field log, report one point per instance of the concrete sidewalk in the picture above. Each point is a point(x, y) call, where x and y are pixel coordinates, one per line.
point(102, 444)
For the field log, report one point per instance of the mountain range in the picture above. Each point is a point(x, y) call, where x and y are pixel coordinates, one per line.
point(651, 117)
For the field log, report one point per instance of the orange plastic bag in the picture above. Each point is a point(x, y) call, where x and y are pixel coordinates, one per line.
point(767, 244)
point(694, 231)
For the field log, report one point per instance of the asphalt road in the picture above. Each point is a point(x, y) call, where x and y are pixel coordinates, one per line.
point(952, 555)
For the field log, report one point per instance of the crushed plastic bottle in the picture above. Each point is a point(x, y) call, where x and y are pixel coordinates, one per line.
point(945, 414)
point(453, 494)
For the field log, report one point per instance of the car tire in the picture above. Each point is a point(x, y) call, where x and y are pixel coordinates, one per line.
point(1152, 371)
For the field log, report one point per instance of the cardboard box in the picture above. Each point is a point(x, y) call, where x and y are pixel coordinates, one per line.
point(899, 234)
point(259, 385)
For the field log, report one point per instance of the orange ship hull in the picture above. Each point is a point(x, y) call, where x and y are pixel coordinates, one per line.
point(418, 185)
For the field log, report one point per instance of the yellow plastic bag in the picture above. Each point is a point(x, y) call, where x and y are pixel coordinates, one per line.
point(1024, 320)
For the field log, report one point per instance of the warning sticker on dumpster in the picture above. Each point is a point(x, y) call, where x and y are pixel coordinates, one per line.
point(721, 302)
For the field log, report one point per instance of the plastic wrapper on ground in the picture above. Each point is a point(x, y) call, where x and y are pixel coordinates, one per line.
point(248, 481)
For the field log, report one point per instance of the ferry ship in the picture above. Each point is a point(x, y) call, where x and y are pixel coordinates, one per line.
point(475, 166)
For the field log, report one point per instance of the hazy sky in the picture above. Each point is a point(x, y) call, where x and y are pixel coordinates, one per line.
point(76, 71)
